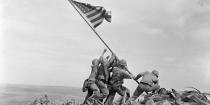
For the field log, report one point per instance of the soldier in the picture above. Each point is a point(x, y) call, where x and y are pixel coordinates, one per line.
point(91, 84)
point(119, 73)
point(96, 84)
point(102, 79)
point(109, 65)
point(148, 83)
point(103, 75)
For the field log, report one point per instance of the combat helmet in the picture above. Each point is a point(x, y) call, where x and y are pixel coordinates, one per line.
point(156, 73)
point(95, 61)
point(123, 62)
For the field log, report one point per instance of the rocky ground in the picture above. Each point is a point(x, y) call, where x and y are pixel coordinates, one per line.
point(161, 97)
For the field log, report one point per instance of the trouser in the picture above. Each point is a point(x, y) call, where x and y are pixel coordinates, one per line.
point(121, 90)
point(122, 99)
point(96, 89)
point(143, 87)
point(92, 89)
point(104, 91)
point(89, 93)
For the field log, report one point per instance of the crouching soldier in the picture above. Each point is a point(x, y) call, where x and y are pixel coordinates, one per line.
point(89, 84)
point(95, 83)
point(148, 83)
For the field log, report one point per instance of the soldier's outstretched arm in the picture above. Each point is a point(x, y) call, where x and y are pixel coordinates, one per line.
point(126, 75)
point(112, 60)
point(139, 76)
point(104, 62)
point(106, 71)
point(102, 55)
point(103, 52)
point(131, 74)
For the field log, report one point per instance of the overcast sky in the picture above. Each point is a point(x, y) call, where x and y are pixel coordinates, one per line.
point(47, 43)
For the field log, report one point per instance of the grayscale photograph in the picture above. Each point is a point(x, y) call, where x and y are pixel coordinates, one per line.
point(104, 52)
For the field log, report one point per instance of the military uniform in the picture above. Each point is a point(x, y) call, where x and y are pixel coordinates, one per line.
point(103, 75)
point(101, 80)
point(97, 81)
point(148, 83)
point(90, 83)
point(121, 100)
point(115, 86)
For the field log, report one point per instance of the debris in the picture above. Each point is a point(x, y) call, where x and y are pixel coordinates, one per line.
point(173, 97)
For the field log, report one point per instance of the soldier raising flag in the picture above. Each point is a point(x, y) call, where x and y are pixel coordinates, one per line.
point(96, 82)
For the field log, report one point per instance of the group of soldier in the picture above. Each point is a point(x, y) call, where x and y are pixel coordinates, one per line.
point(107, 78)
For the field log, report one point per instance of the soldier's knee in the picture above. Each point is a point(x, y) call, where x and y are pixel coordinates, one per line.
point(96, 93)
point(133, 98)
point(105, 93)
point(129, 102)
point(85, 86)
point(95, 90)
point(94, 87)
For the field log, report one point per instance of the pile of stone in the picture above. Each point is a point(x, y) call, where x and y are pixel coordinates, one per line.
point(173, 97)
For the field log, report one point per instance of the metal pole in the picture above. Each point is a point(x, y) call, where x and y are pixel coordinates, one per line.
point(71, 1)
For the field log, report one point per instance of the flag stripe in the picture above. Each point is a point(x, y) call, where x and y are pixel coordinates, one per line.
point(97, 21)
point(93, 11)
point(97, 12)
point(96, 16)
point(96, 25)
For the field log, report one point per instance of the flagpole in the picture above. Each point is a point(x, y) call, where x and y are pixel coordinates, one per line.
point(71, 1)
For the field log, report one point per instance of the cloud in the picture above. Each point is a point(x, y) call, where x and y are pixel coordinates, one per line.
point(1, 47)
point(168, 59)
point(205, 62)
point(45, 38)
point(174, 17)
point(202, 35)
point(203, 2)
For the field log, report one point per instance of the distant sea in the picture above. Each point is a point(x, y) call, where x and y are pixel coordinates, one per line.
point(19, 94)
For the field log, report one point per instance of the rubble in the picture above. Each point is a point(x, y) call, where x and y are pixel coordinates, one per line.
point(173, 97)
point(161, 97)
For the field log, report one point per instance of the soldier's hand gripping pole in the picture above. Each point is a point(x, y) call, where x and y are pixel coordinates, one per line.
point(103, 52)
point(101, 59)
point(132, 75)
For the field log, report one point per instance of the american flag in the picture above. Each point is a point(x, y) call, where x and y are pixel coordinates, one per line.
point(95, 14)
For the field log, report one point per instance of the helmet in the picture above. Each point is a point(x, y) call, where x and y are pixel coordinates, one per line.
point(95, 61)
point(123, 62)
point(155, 72)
